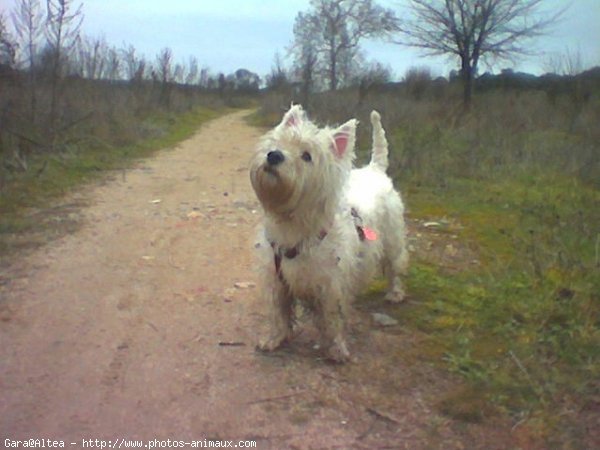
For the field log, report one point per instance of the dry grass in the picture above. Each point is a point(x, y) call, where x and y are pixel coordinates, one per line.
point(435, 140)
point(520, 174)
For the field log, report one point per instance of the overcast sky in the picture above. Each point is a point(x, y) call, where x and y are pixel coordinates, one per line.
point(225, 35)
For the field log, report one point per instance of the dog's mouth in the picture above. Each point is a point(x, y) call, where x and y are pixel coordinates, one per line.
point(271, 170)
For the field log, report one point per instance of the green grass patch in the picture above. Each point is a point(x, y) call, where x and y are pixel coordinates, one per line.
point(53, 175)
point(523, 327)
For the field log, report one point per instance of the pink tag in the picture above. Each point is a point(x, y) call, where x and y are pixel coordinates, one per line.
point(370, 234)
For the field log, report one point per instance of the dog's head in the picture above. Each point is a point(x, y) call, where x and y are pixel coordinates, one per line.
point(300, 168)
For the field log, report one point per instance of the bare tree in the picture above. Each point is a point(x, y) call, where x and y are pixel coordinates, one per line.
point(7, 61)
point(135, 67)
point(475, 29)
point(278, 79)
point(8, 47)
point(371, 74)
point(568, 63)
point(93, 55)
point(192, 74)
point(417, 80)
point(113, 63)
point(62, 32)
point(179, 73)
point(334, 30)
point(28, 23)
point(164, 63)
point(305, 64)
point(204, 79)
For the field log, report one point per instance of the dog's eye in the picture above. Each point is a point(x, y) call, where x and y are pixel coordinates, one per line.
point(306, 157)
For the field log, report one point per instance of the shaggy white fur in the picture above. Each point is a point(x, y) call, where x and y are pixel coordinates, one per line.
point(328, 228)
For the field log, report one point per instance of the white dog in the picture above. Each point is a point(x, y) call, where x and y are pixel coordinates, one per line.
point(328, 228)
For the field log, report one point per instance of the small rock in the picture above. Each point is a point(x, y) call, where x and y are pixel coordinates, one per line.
point(384, 320)
point(451, 250)
point(244, 284)
point(432, 224)
point(194, 215)
point(229, 294)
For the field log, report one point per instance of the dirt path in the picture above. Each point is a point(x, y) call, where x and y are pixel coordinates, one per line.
point(133, 328)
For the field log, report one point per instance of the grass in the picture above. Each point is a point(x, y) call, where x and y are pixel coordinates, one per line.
point(523, 327)
point(51, 176)
point(516, 180)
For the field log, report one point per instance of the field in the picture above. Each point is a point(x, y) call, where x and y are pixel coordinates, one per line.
point(503, 208)
point(130, 300)
point(97, 126)
point(511, 190)
point(28, 219)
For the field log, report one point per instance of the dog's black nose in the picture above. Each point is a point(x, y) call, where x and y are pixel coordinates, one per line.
point(275, 157)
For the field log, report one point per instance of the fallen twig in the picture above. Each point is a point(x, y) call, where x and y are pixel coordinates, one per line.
point(274, 399)
point(231, 344)
point(383, 416)
point(334, 378)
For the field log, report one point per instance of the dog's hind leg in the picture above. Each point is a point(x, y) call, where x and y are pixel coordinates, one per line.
point(396, 255)
point(395, 292)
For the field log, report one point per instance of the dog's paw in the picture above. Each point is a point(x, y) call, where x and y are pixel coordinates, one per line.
point(271, 343)
point(395, 296)
point(338, 352)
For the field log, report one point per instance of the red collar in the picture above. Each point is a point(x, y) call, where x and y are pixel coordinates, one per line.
point(280, 252)
point(290, 253)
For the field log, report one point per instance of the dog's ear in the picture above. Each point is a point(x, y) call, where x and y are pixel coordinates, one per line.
point(343, 139)
point(293, 118)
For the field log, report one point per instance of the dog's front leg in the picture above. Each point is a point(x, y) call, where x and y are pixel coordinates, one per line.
point(281, 312)
point(331, 320)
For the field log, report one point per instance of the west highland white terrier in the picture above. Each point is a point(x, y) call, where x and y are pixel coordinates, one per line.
point(328, 228)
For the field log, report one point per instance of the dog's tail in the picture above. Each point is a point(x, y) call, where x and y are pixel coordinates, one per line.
point(379, 157)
